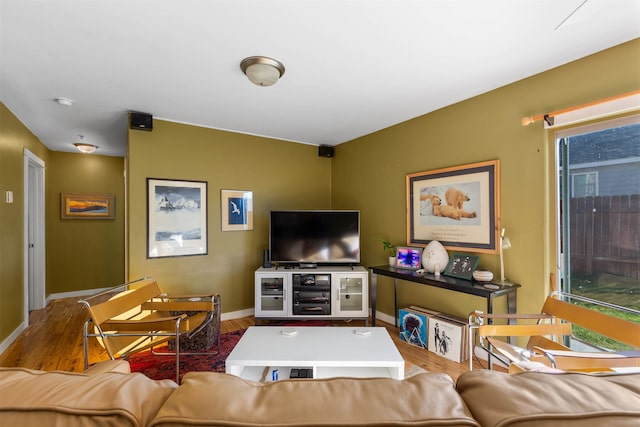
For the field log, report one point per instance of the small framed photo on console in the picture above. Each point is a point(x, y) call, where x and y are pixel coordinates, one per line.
point(461, 266)
point(408, 257)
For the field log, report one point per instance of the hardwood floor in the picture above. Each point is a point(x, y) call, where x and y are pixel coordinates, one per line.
point(53, 341)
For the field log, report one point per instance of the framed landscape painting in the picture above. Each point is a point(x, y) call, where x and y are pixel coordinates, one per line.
point(176, 218)
point(458, 206)
point(86, 206)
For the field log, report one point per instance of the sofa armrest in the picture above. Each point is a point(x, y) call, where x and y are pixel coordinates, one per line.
point(54, 398)
point(550, 400)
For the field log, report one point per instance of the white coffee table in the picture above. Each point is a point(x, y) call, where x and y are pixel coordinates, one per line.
point(329, 351)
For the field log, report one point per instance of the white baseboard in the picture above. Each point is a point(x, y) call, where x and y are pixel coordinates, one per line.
point(4, 345)
point(237, 314)
point(73, 294)
point(385, 318)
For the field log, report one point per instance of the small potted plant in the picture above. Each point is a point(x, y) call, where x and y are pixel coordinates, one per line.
point(391, 249)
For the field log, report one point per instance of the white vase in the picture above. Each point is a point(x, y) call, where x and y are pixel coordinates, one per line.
point(392, 261)
point(434, 257)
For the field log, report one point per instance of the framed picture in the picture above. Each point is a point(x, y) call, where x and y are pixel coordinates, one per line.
point(176, 218)
point(86, 206)
point(236, 210)
point(408, 257)
point(458, 206)
point(461, 266)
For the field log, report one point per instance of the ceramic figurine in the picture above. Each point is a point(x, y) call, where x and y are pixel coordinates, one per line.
point(435, 257)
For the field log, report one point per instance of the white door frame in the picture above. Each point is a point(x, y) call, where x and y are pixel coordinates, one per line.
point(34, 234)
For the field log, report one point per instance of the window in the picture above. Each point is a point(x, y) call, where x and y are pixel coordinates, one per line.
point(584, 184)
point(598, 211)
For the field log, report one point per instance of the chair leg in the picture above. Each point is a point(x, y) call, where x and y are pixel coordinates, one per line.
point(86, 345)
point(178, 352)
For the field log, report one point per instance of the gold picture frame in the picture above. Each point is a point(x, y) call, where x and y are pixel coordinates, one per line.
point(87, 206)
point(236, 210)
point(458, 206)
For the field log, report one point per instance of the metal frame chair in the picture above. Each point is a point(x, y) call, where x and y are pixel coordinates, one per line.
point(136, 316)
point(549, 330)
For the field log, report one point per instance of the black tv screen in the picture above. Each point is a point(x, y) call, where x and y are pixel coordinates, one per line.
point(320, 237)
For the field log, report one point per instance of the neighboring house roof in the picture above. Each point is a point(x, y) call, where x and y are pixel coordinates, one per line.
point(605, 145)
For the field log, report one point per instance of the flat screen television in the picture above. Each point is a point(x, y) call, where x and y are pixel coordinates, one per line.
point(314, 237)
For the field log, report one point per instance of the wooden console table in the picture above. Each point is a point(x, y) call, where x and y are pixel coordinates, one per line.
point(445, 282)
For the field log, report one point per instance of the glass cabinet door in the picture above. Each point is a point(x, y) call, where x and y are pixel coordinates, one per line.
point(351, 295)
point(271, 296)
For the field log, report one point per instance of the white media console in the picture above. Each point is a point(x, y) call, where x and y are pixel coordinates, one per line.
point(336, 292)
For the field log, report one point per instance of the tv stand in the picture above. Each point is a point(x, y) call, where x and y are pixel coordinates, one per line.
point(323, 292)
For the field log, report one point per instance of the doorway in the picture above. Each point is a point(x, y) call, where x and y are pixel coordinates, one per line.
point(34, 234)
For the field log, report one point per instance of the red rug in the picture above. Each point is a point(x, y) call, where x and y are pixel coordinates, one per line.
point(164, 367)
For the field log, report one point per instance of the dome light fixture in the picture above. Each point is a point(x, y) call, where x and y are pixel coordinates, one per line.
point(261, 70)
point(65, 102)
point(85, 148)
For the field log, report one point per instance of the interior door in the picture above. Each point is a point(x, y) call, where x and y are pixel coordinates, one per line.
point(34, 223)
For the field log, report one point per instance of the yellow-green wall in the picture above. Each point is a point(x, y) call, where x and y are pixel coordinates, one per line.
point(282, 175)
point(80, 254)
point(369, 173)
point(84, 253)
point(14, 138)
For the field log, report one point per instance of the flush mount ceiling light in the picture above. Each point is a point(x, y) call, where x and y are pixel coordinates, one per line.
point(261, 70)
point(85, 148)
point(66, 102)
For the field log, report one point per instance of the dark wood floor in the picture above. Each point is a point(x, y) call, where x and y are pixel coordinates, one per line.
point(53, 341)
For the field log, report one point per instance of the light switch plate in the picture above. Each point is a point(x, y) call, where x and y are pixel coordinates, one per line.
point(8, 196)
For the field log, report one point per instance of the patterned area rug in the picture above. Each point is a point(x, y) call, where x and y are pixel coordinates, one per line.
point(164, 367)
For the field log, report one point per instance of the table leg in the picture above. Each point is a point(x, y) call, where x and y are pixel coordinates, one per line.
point(489, 311)
point(395, 303)
point(511, 309)
point(374, 297)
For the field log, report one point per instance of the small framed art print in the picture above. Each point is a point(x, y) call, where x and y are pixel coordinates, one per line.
point(236, 210)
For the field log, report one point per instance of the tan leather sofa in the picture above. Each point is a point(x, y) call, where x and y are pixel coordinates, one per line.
point(107, 395)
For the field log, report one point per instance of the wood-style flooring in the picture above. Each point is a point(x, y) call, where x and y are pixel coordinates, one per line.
point(53, 341)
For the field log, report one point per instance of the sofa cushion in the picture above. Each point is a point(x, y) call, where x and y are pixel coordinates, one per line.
point(118, 365)
point(544, 399)
point(39, 398)
point(214, 399)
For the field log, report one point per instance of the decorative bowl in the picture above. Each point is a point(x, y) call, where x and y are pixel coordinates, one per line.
point(483, 275)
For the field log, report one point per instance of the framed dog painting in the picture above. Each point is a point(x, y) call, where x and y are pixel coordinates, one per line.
point(458, 206)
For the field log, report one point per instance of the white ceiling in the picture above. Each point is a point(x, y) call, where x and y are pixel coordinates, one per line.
point(352, 66)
